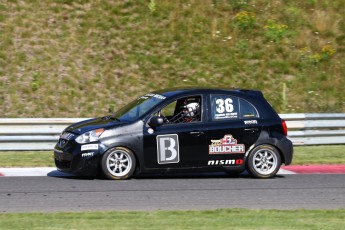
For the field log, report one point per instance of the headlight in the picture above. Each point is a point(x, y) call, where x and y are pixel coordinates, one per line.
point(90, 136)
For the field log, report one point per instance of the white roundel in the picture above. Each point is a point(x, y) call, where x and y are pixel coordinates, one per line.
point(150, 131)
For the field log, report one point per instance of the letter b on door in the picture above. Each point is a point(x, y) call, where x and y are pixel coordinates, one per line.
point(168, 149)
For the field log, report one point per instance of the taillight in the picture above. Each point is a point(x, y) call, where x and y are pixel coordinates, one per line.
point(285, 129)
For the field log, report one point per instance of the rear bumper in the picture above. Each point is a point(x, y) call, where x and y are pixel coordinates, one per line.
point(286, 148)
point(282, 143)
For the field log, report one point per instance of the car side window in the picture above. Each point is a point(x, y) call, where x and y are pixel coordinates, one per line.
point(247, 110)
point(224, 107)
point(169, 110)
point(183, 110)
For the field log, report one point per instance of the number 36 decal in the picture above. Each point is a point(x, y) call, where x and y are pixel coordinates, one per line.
point(225, 108)
point(224, 105)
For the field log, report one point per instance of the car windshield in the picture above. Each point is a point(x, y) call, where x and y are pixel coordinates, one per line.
point(138, 107)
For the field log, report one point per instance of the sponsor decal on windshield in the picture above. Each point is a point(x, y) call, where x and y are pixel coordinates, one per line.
point(226, 145)
point(146, 96)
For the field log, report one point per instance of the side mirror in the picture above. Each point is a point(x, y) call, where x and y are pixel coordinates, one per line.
point(156, 121)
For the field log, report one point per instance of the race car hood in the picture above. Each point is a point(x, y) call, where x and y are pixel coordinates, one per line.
point(92, 124)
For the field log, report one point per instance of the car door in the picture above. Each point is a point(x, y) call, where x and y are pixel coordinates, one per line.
point(233, 126)
point(180, 142)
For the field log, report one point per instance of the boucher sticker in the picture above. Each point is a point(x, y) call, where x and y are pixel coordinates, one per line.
point(168, 149)
point(226, 145)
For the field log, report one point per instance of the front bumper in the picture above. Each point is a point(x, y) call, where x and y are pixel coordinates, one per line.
point(71, 157)
point(66, 162)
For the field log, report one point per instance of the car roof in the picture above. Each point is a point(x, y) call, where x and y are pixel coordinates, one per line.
point(254, 96)
point(169, 92)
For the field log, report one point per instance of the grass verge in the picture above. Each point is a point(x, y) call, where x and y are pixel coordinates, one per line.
point(26, 159)
point(215, 219)
point(325, 154)
point(303, 155)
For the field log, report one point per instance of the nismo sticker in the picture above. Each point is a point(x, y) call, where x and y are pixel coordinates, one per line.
point(225, 162)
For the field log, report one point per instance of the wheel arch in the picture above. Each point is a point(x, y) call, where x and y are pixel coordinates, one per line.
point(270, 143)
point(283, 145)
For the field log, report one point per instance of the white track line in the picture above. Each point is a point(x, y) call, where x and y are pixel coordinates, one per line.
point(284, 172)
point(39, 171)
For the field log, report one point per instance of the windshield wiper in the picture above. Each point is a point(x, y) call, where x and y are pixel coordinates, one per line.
point(111, 117)
point(115, 118)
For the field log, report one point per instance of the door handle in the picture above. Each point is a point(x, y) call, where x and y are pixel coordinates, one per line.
point(196, 133)
point(251, 130)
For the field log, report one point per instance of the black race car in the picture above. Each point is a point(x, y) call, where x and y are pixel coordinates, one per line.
point(179, 130)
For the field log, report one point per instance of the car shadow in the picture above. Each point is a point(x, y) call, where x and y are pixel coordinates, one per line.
point(211, 175)
point(63, 175)
point(188, 175)
point(205, 175)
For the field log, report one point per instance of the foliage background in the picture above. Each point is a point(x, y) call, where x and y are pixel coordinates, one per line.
point(64, 58)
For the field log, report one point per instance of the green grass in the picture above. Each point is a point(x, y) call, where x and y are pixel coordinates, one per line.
point(26, 159)
point(326, 154)
point(217, 219)
point(86, 58)
point(303, 155)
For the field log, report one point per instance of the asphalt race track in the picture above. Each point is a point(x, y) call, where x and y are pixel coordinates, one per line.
point(51, 194)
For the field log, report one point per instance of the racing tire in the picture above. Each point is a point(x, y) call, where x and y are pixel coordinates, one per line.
point(263, 162)
point(118, 164)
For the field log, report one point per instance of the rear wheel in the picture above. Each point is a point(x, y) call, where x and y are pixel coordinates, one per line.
point(264, 161)
point(118, 163)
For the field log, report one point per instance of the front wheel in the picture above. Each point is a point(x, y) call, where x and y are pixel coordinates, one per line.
point(118, 163)
point(264, 161)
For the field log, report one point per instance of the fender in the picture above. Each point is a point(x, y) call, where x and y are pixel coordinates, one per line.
point(128, 136)
point(282, 143)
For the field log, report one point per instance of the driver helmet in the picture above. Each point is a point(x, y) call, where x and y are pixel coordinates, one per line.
point(192, 109)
